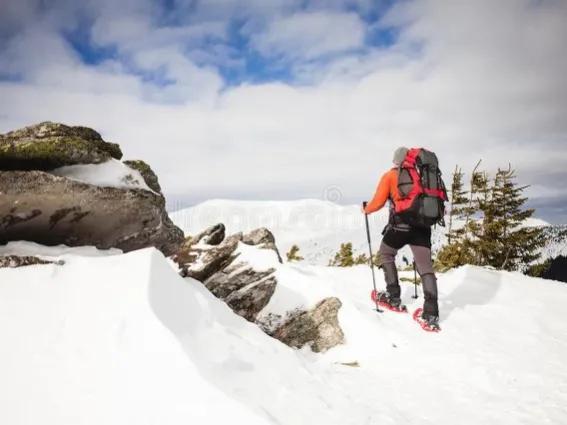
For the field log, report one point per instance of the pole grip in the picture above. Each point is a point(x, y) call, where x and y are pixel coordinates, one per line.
point(364, 204)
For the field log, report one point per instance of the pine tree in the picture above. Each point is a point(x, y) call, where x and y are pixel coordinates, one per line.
point(460, 248)
point(493, 234)
point(361, 259)
point(477, 244)
point(508, 245)
point(458, 206)
point(293, 254)
point(343, 258)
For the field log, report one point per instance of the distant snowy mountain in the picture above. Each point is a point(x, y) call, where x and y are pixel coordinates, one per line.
point(112, 338)
point(317, 227)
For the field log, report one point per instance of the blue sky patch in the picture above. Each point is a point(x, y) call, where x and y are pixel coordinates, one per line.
point(239, 62)
point(89, 54)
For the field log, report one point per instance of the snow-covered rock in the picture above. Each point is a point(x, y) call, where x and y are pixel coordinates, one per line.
point(14, 261)
point(318, 328)
point(241, 271)
point(66, 185)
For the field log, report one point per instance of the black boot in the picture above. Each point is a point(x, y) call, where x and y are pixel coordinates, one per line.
point(430, 306)
point(392, 285)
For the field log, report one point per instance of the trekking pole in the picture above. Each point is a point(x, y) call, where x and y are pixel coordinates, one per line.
point(375, 297)
point(414, 281)
point(405, 260)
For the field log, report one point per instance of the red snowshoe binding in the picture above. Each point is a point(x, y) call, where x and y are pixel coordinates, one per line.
point(427, 323)
point(382, 299)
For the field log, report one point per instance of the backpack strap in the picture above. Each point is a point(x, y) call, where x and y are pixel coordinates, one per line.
point(409, 164)
point(411, 158)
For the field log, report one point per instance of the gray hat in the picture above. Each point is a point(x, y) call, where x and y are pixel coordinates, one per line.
point(400, 155)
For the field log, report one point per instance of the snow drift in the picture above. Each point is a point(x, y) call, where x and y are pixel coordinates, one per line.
point(122, 339)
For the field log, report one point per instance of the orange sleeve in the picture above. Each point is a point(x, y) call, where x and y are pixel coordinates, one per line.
point(381, 196)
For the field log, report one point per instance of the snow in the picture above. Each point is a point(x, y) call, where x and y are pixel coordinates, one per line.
point(23, 248)
point(535, 222)
point(118, 339)
point(112, 173)
point(99, 341)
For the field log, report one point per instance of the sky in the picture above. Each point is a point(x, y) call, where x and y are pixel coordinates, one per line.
point(289, 99)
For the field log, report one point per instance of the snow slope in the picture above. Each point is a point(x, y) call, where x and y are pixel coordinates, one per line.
point(88, 343)
point(123, 339)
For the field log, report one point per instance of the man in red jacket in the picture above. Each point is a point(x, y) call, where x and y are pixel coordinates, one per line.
point(398, 234)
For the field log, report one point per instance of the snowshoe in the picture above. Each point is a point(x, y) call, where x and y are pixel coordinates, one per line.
point(382, 299)
point(427, 323)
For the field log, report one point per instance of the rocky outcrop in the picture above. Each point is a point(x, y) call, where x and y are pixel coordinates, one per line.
point(318, 328)
point(216, 262)
point(262, 238)
point(212, 259)
point(147, 173)
point(200, 261)
point(13, 261)
point(50, 145)
point(39, 206)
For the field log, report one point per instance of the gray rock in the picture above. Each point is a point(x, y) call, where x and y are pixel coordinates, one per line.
point(147, 173)
point(250, 300)
point(214, 235)
point(51, 210)
point(318, 328)
point(202, 262)
point(262, 238)
point(48, 145)
point(233, 278)
point(210, 258)
point(13, 261)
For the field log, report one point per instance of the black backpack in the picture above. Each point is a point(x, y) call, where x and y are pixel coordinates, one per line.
point(421, 188)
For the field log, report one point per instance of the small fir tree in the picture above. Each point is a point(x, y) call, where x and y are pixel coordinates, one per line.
point(460, 248)
point(293, 254)
point(361, 259)
point(458, 209)
point(343, 258)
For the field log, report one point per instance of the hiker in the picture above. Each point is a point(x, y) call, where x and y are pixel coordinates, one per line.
point(405, 228)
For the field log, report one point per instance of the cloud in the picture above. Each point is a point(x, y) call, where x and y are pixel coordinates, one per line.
point(308, 35)
point(468, 79)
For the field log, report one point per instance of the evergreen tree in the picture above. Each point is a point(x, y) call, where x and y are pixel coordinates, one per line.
point(508, 245)
point(460, 248)
point(493, 234)
point(361, 259)
point(458, 209)
point(477, 244)
point(343, 258)
point(293, 254)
